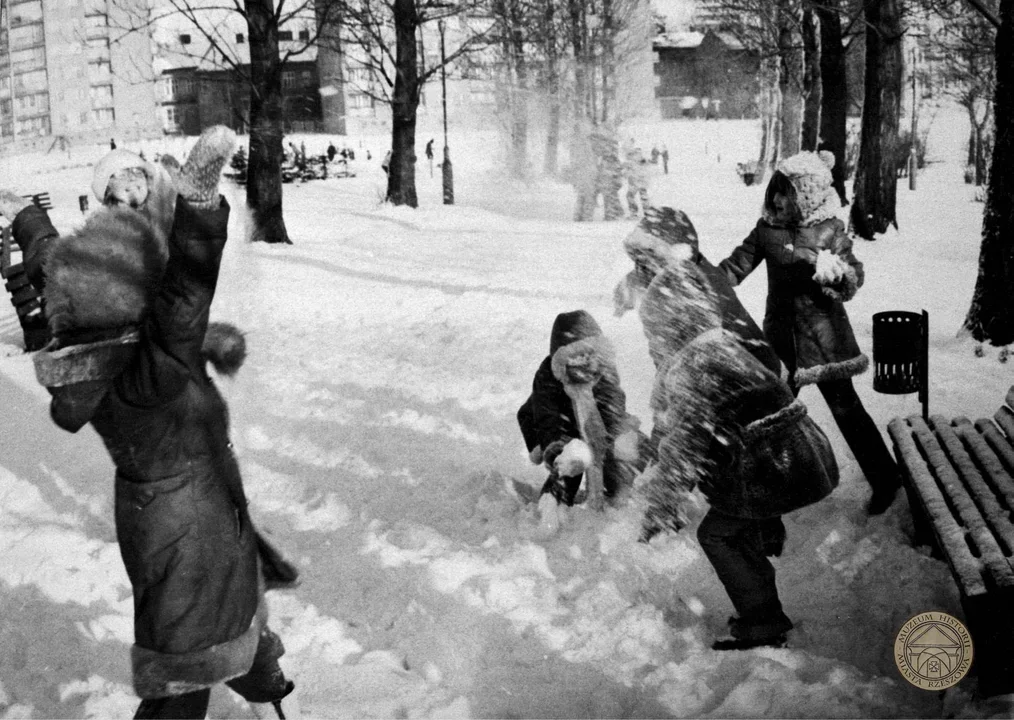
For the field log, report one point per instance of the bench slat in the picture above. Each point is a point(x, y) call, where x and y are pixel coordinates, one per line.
point(992, 460)
point(1010, 397)
point(949, 533)
point(998, 441)
point(1004, 417)
point(960, 486)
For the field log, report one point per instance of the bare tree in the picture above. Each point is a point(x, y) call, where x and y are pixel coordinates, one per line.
point(991, 314)
point(834, 91)
point(812, 88)
point(380, 40)
point(263, 18)
point(875, 187)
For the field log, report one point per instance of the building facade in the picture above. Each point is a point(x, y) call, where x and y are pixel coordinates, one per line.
point(707, 74)
point(63, 76)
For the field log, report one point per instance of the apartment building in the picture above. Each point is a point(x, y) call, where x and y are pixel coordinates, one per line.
point(62, 76)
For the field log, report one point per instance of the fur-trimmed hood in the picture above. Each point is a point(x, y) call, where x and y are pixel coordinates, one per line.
point(104, 274)
point(583, 360)
point(810, 176)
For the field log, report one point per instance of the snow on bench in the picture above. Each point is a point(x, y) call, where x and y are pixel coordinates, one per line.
point(959, 477)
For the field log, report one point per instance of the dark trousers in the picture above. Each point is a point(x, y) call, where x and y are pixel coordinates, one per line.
point(860, 432)
point(738, 550)
point(264, 682)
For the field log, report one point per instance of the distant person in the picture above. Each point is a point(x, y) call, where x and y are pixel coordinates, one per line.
point(635, 168)
point(665, 159)
point(386, 164)
point(429, 155)
point(331, 152)
point(112, 144)
point(811, 273)
point(654, 154)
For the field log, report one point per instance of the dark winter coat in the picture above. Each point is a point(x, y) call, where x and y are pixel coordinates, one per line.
point(33, 232)
point(805, 322)
point(732, 427)
point(184, 532)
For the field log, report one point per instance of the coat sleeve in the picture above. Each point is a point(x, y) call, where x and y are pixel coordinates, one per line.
point(744, 259)
point(841, 245)
point(33, 232)
point(552, 412)
point(173, 333)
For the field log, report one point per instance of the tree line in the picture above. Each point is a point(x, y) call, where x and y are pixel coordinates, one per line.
point(570, 56)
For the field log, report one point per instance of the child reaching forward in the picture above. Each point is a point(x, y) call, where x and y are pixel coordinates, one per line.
point(811, 273)
point(577, 411)
point(729, 426)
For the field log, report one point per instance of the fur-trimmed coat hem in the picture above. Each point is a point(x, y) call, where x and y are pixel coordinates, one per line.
point(157, 674)
point(832, 371)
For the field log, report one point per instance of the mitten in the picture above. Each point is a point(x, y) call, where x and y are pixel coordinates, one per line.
point(11, 204)
point(574, 459)
point(551, 452)
point(198, 179)
point(535, 455)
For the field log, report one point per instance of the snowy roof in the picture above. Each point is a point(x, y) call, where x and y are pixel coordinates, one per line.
point(685, 39)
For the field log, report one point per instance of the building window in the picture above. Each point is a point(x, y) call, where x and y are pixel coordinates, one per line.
point(103, 116)
point(101, 96)
point(184, 39)
point(304, 35)
point(240, 39)
point(284, 35)
point(306, 78)
point(288, 79)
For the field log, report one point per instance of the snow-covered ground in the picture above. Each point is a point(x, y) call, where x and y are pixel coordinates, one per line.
point(374, 420)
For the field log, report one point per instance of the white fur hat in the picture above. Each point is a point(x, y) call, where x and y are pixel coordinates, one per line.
point(810, 175)
point(113, 162)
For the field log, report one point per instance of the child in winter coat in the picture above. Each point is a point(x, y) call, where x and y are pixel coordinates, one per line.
point(728, 425)
point(665, 238)
point(576, 413)
point(812, 272)
point(128, 297)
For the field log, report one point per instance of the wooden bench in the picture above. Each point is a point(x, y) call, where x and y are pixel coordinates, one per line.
point(959, 477)
point(24, 297)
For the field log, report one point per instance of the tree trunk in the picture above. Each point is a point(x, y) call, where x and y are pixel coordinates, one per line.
point(519, 91)
point(608, 40)
point(876, 184)
point(405, 102)
point(834, 94)
point(991, 315)
point(551, 160)
point(790, 83)
point(810, 135)
point(576, 11)
point(264, 166)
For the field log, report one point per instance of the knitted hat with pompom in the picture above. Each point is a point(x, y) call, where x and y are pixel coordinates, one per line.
point(810, 175)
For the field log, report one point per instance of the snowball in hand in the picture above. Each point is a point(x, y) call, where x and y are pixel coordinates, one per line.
point(575, 457)
point(830, 268)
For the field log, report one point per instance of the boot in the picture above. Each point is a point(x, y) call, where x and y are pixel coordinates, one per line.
point(734, 643)
point(284, 708)
point(882, 498)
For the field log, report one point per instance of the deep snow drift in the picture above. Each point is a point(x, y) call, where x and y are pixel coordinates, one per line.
point(389, 351)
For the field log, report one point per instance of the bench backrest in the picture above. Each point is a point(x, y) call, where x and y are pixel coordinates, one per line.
point(41, 200)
